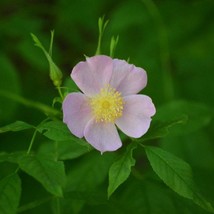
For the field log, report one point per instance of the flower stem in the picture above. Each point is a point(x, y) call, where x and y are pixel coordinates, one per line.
point(60, 92)
point(57, 206)
point(29, 148)
point(31, 142)
point(98, 51)
point(101, 25)
point(33, 104)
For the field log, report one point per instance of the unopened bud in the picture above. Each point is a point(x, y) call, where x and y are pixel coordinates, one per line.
point(55, 74)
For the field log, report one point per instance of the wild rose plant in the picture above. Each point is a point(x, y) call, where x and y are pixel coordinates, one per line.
point(109, 98)
point(108, 103)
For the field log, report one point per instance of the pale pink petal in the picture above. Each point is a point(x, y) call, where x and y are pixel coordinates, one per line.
point(76, 113)
point(127, 78)
point(93, 74)
point(136, 117)
point(102, 136)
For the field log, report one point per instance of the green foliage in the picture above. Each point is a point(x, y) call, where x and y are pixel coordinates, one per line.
point(160, 129)
point(66, 150)
point(198, 115)
point(102, 26)
point(11, 157)
point(15, 127)
point(177, 174)
point(55, 130)
point(147, 197)
point(89, 172)
point(61, 173)
point(121, 169)
point(55, 72)
point(48, 172)
point(113, 45)
point(10, 192)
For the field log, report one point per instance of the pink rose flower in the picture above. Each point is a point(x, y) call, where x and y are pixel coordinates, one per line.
point(109, 98)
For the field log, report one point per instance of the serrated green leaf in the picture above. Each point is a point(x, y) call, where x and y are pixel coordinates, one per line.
point(15, 127)
point(48, 172)
point(55, 130)
point(121, 169)
point(65, 150)
point(72, 149)
point(176, 174)
point(10, 192)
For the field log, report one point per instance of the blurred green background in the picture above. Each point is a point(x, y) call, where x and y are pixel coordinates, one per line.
point(173, 40)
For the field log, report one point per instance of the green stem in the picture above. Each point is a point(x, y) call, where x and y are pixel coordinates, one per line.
point(60, 92)
point(34, 135)
point(98, 51)
point(29, 103)
point(29, 148)
point(164, 49)
point(101, 25)
point(31, 142)
point(57, 206)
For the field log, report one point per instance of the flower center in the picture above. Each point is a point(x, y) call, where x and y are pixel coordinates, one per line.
point(107, 106)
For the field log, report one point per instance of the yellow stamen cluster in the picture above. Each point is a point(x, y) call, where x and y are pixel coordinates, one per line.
point(107, 106)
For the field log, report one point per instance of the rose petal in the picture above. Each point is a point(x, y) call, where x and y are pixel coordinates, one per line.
point(93, 74)
point(137, 111)
point(76, 113)
point(127, 78)
point(102, 136)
